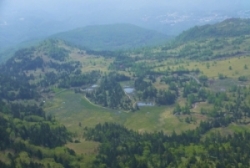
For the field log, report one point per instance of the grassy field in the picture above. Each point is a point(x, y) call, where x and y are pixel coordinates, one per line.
point(74, 109)
point(229, 130)
point(230, 67)
point(84, 147)
point(90, 62)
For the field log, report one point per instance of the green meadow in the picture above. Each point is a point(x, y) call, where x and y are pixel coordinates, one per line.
point(230, 67)
point(76, 112)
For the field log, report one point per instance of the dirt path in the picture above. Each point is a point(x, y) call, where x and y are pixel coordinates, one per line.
point(129, 98)
point(101, 106)
point(191, 76)
point(94, 103)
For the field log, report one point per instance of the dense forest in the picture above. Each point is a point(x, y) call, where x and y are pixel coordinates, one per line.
point(125, 148)
point(29, 137)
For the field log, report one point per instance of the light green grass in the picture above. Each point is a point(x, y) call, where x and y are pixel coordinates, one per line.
point(90, 62)
point(229, 130)
point(215, 67)
point(84, 147)
point(157, 119)
point(203, 105)
point(71, 109)
point(239, 128)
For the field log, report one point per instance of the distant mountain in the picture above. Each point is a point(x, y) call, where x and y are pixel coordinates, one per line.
point(113, 37)
point(228, 28)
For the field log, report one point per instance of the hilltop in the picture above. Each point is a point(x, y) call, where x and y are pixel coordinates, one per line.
point(113, 37)
point(98, 38)
point(233, 27)
point(230, 38)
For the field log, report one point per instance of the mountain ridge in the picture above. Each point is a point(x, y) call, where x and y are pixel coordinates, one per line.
point(113, 37)
point(228, 28)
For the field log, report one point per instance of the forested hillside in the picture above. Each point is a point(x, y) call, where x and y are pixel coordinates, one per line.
point(233, 27)
point(30, 137)
point(126, 148)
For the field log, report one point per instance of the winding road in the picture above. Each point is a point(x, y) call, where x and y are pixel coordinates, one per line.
point(191, 76)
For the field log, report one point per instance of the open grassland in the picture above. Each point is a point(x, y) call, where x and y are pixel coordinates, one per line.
point(160, 85)
point(97, 63)
point(76, 112)
point(229, 130)
point(73, 109)
point(154, 119)
point(90, 62)
point(84, 147)
point(230, 67)
point(198, 106)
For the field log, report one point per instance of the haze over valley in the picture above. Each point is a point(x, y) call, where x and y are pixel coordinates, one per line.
point(28, 20)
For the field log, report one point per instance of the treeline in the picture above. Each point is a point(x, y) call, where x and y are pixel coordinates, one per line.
point(215, 48)
point(78, 79)
point(121, 147)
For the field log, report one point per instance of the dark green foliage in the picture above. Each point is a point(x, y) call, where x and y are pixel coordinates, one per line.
point(4, 136)
point(242, 78)
point(190, 87)
point(141, 85)
point(16, 87)
point(58, 53)
point(203, 79)
point(110, 93)
point(47, 136)
point(166, 97)
point(148, 91)
point(221, 76)
point(121, 147)
point(23, 126)
point(24, 59)
point(122, 62)
point(119, 77)
point(79, 80)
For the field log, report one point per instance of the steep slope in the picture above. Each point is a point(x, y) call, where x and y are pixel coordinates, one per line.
point(229, 28)
point(229, 38)
point(113, 37)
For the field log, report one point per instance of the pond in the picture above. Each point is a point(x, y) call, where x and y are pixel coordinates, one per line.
point(88, 90)
point(128, 90)
point(91, 88)
point(140, 104)
point(94, 86)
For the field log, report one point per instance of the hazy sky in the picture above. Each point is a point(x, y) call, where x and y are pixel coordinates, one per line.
point(25, 19)
point(59, 9)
